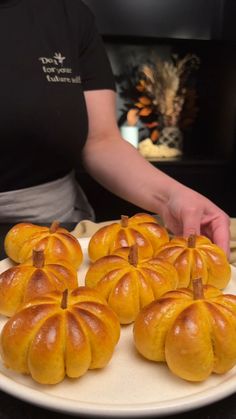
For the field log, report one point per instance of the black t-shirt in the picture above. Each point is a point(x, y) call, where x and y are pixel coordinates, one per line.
point(50, 53)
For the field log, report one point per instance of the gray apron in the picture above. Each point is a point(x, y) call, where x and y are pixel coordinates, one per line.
point(61, 200)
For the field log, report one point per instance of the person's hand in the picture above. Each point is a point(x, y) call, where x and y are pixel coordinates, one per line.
point(188, 212)
point(121, 169)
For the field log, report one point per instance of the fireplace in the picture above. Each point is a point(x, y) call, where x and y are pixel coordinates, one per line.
point(133, 31)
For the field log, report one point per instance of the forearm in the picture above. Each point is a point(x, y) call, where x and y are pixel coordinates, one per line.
point(121, 169)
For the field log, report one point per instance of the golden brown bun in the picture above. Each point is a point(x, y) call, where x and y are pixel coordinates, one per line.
point(204, 260)
point(142, 229)
point(53, 336)
point(195, 337)
point(25, 281)
point(128, 286)
point(56, 242)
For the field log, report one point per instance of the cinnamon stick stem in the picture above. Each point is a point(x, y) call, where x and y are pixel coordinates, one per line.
point(38, 258)
point(64, 299)
point(198, 293)
point(133, 255)
point(54, 226)
point(124, 220)
point(192, 240)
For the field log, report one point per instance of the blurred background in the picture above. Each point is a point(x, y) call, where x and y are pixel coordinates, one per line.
point(174, 63)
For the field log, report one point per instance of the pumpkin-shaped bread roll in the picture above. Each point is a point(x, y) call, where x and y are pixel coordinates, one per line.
point(141, 229)
point(197, 257)
point(128, 283)
point(23, 282)
point(60, 334)
point(56, 242)
point(193, 331)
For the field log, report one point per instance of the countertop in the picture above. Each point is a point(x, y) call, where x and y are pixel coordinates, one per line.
point(12, 408)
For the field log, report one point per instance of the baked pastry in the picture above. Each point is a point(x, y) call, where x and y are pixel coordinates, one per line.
point(197, 257)
point(56, 242)
point(23, 282)
point(193, 331)
point(142, 229)
point(128, 283)
point(60, 334)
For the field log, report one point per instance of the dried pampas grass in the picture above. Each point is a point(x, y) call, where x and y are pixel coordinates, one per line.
point(165, 83)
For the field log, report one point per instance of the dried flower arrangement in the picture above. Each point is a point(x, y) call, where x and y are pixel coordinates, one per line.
point(159, 95)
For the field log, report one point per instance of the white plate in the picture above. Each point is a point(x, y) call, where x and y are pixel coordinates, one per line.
point(128, 387)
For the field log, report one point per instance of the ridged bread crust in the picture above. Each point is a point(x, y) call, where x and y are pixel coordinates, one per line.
point(20, 283)
point(128, 288)
point(49, 342)
point(194, 337)
point(57, 245)
point(205, 260)
point(141, 229)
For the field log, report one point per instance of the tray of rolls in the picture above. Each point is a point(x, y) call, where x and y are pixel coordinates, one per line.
point(130, 322)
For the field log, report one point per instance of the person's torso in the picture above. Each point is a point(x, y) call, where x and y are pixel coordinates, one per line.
point(43, 119)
